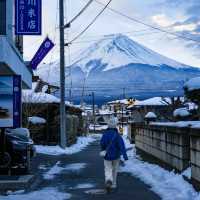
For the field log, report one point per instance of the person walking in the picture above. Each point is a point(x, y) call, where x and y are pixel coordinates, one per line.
point(112, 147)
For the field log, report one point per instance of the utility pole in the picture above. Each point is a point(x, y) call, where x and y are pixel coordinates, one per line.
point(93, 108)
point(63, 138)
point(124, 93)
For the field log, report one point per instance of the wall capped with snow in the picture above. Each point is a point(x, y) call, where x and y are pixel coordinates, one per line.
point(176, 144)
point(195, 154)
point(168, 144)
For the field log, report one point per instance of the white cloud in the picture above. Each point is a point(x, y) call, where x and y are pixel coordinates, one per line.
point(185, 27)
point(161, 20)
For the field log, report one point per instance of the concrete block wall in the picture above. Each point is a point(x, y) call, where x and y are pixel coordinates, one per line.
point(168, 144)
point(195, 153)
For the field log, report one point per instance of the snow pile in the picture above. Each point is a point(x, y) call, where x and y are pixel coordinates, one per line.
point(188, 173)
point(98, 127)
point(168, 185)
point(56, 169)
point(193, 84)
point(181, 112)
point(28, 96)
point(36, 120)
point(191, 106)
point(82, 142)
point(49, 193)
point(150, 115)
point(192, 124)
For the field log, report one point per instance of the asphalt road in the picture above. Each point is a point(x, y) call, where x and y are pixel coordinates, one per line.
point(128, 187)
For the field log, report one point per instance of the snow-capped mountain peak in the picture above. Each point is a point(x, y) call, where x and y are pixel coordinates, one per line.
point(118, 51)
point(117, 62)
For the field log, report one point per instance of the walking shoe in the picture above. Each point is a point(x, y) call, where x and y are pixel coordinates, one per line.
point(114, 186)
point(108, 186)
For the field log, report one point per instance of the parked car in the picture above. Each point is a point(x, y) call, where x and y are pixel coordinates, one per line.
point(19, 147)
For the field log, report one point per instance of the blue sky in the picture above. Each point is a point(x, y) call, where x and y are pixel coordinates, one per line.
point(179, 16)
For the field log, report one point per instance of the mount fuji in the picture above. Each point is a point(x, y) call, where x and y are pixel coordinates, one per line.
point(117, 62)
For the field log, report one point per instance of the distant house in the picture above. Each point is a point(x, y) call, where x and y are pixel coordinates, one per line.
point(162, 107)
point(119, 105)
point(42, 86)
point(119, 108)
point(41, 105)
point(11, 60)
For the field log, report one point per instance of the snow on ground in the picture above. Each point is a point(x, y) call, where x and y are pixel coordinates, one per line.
point(49, 193)
point(168, 185)
point(56, 169)
point(188, 173)
point(83, 186)
point(82, 142)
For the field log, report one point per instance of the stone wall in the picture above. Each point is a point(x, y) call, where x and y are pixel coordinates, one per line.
point(195, 154)
point(168, 144)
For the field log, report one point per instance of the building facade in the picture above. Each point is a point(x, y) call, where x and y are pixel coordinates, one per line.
point(11, 59)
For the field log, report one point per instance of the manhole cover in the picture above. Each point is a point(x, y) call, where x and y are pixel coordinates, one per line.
point(96, 192)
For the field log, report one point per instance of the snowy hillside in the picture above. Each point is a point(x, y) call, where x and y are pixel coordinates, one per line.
point(118, 62)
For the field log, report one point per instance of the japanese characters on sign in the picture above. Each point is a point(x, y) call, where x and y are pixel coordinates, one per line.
point(28, 17)
point(43, 50)
point(10, 101)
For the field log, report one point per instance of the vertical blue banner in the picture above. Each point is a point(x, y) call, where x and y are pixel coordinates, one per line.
point(28, 17)
point(17, 101)
point(43, 50)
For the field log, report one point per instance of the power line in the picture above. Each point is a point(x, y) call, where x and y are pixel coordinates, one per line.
point(81, 11)
point(112, 36)
point(90, 24)
point(148, 25)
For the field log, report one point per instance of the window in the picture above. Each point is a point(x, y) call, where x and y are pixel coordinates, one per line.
point(2, 17)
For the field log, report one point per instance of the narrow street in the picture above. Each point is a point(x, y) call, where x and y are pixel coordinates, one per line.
point(81, 173)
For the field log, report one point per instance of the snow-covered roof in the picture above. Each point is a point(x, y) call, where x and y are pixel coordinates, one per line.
point(155, 101)
point(150, 115)
point(193, 84)
point(28, 96)
point(105, 112)
point(121, 101)
point(181, 112)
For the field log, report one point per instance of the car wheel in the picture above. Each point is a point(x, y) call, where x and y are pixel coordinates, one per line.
point(5, 160)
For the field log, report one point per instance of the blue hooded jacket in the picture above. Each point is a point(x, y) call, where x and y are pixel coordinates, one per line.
point(117, 148)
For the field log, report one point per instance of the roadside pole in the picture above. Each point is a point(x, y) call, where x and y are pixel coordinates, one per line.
point(63, 138)
point(93, 109)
